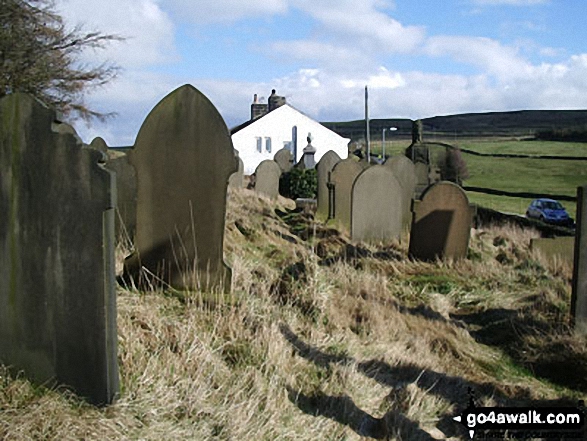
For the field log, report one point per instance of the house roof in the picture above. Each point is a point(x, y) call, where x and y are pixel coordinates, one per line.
point(251, 121)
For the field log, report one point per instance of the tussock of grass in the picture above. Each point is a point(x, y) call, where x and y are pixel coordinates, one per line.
point(326, 340)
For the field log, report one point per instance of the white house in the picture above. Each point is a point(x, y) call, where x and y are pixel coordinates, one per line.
point(278, 125)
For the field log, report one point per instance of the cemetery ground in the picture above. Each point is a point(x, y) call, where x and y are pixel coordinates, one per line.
point(324, 339)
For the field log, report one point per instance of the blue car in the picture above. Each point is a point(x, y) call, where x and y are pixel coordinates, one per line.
point(549, 211)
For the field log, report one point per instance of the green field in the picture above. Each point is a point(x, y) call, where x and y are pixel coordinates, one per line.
point(524, 175)
point(514, 174)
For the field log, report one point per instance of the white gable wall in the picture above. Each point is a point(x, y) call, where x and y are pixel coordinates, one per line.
point(278, 126)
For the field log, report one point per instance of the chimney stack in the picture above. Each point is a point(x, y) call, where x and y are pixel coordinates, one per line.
point(257, 109)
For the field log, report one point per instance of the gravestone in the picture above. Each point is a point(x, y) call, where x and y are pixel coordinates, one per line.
point(441, 223)
point(323, 170)
point(267, 176)
point(342, 178)
point(376, 207)
point(405, 172)
point(57, 287)
point(422, 172)
point(183, 156)
point(579, 286)
point(284, 159)
point(557, 248)
point(99, 144)
point(236, 179)
point(126, 189)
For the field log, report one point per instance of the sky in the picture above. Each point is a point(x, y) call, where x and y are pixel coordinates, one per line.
point(419, 58)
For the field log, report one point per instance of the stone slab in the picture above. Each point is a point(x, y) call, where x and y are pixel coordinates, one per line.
point(441, 223)
point(267, 176)
point(342, 178)
point(376, 206)
point(237, 179)
point(405, 172)
point(57, 287)
point(323, 170)
point(284, 159)
point(126, 189)
point(183, 156)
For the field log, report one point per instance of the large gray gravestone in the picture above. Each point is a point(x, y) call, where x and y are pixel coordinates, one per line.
point(57, 287)
point(579, 292)
point(342, 178)
point(267, 176)
point(376, 207)
point(405, 172)
point(284, 159)
point(183, 156)
point(441, 224)
point(323, 170)
point(236, 179)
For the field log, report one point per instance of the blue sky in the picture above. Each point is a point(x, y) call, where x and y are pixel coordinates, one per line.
point(419, 58)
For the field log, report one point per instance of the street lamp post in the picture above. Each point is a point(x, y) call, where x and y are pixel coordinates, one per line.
point(392, 129)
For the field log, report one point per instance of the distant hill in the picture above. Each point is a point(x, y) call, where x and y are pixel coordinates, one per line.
point(516, 123)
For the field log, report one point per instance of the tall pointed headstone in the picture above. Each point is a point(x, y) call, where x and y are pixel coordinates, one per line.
point(183, 156)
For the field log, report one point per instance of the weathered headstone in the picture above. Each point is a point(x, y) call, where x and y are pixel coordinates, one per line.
point(579, 291)
point(126, 189)
point(323, 170)
point(405, 172)
point(422, 171)
point(376, 207)
point(284, 159)
point(183, 156)
point(267, 176)
point(99, 144)
point(557, 248)
point(236, 179)
point(441, 224)
point(342, 178)
point(57, 287)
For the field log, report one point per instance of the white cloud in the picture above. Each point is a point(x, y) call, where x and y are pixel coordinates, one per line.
point(511, 2)
point(316, 51)
point(224, 11)
point(363, 24)
point(148, 30)
point(488, 55)
point(383, 79)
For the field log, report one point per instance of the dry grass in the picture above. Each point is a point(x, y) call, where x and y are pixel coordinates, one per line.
point(326, 340)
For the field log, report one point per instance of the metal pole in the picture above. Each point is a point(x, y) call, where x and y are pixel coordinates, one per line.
point(367, 125)
point(383, 143)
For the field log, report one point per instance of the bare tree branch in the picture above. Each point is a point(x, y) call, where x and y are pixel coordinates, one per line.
point(39, 55)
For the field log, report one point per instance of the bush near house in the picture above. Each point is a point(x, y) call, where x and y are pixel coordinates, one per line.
point(298, 183)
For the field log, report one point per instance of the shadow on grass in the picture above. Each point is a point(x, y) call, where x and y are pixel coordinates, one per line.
point(455, 390)
point(543, 346)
